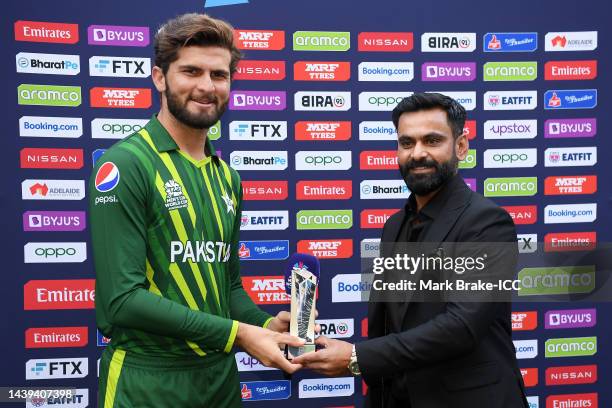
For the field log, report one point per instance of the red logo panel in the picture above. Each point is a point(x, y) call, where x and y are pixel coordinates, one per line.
point(327, 248)
point(41, 158)
point(376, 218)
point(260, 70)
point(321, 71)
point(324, 190)
point(59, 294)
point(530, 376)
point(48, 337)
point(364, 327)
point(42, 31)
point(570, 241)
point(523, 214)
point(570, 70)
point(522, 321)
point(259, 39)
point(378, 160)
point(572, 400)
point(265, 190)
point(470, 129)
point(266, 290)
point(583, 374)
point(120, 97)
point(387, 42)
point(562, 185)
point(336, 131)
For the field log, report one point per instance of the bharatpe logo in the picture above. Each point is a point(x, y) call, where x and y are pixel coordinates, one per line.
point(258, 160)
point(321, 41)
point(570, 319)
point(571, 347)
point(511, 187)
point(322, 101)
point(119, 67)
point(54, 368)
point(506, 158)
point(571, 41)
point(381, 101)
point(383, 190)
point(570, 213)
point(511, 129)
point(370, 248)
point(448, 42)
point(558, 280)
point(264, 220)
point(258, 100)
point(273, 40)
point(245, 362)
point(470, 160)
point(326, 387)
point(45, 126)
point(127, 36)
point(258, 130)
point(351, 287)
point(465, 99)
point(377, 131)
point(49, 95)
point(323, 160)
point(526, 349)
point(39, 189)
point(54, 252)
point(114, 128)
point(324, 219)
point(570, 99)
point(78, 399)
point(510, 100)
point(265, 390)
point(448, 71)
point(510, 71)
point(54, 221)
point(562, 128)
point(263, 250)
point(386, 71)
point(53, 64)
point(337, 328)
point(570, 156)
point(510, 42)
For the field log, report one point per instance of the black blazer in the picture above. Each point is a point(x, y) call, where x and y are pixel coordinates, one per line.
point(443, 355)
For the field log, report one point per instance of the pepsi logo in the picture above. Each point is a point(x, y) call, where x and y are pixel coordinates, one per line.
point(107, 177)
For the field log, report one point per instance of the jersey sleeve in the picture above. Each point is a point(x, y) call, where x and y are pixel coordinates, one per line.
point(119, 193)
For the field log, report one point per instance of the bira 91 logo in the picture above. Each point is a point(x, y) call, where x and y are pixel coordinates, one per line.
point(524, 321)
point(530, 376)
point(266, 290)
point(570, 241)
point(570, 99)
point(327, 248)
point(43, 31)
point(385, 41)
point(570, 319)
point(59, 294)
point(378, 160)
point(258, 100)
point(257, 70)
point(264, 190)
point(324, 190)
point(562, 128)
point(562, 185)
point(321, 71)
point(523, 214)
point(51, 337)
point(337, 328)
point(571, 41)
point(323, 130)
point(569, 375)
point(510, 42)
point(127, 36)
point(448, 42)
point(572, 400)
point(570, 70)
point(375, 218)
point(273, 40)
point(120, 97)
point(322, 101)
point(40, 158)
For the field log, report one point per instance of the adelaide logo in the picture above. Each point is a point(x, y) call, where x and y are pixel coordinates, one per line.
point(107, 177)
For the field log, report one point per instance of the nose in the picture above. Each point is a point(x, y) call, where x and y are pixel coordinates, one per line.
point(206, 83)
point(419, 151)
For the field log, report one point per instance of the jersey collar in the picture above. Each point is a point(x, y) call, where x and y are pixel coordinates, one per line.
point(165, 143)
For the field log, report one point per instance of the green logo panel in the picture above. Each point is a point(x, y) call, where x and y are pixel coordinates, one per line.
point(324, 219)
point(49, 95)
point(558, 280)
point(510, 71)
point(470, 160)
point(214, 132)
point(571, 347)
point(511, 187)
point(321, 41)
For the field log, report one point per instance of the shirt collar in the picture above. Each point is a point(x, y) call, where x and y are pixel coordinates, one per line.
point(434, 207)
point(165, 143)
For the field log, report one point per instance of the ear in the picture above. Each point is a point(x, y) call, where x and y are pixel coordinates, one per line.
point(159, 79)
point(462, 146)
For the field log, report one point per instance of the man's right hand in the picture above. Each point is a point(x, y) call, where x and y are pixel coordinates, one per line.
point(264, 345)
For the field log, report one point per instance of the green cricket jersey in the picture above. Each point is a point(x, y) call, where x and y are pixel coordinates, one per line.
point(165, 238)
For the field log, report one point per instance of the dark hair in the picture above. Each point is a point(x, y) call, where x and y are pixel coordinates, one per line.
point(455, 113)
point(189, 30)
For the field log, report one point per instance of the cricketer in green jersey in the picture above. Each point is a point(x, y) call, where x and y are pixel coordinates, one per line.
point(165, 218)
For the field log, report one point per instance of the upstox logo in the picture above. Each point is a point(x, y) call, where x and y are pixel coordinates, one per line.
point(380, 101)
point(558, 280)
point(511, 129)
point(324, 219)
point(510, 71)
point(49, 95)
point(511, 187)
point(321, 41)
point(571, 347)
point(54, 64)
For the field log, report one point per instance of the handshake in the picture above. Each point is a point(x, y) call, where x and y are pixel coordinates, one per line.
point(266, 345)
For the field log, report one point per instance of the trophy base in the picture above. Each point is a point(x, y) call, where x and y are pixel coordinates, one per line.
point(298, 351)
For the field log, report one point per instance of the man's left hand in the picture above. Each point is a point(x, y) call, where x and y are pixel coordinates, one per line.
point(280, 323)
point(332, 360)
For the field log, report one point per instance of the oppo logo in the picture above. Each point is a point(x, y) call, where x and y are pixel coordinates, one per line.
point(319, 160)
point(510, 158)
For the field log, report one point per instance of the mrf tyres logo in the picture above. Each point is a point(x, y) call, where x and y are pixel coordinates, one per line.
point(272, 40)
point(321, 71)
point(266, 290)
point(120, 97)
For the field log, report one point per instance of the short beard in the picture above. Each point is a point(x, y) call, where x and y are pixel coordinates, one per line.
point(423, 184)
point(182, 114)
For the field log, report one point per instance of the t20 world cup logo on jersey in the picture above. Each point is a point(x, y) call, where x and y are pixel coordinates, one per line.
point(107, 177)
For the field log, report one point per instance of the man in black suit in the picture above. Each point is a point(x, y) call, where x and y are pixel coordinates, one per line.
point(434, 354)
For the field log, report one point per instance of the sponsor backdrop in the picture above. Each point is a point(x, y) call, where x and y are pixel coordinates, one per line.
point(309, 129)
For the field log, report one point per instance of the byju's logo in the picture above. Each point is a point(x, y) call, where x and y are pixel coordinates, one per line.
point(571, 347)
point(264, 220)
point(448, 71)
point(119, 67)
point(561, 128)
point(511, 187)
point(570, 213)
point(506, 158)
point(380, 101)
point(45, 126)
point(321, 41)
point(247, 160)
point(263, 250)
point(570, 156)
point(324, 219)
point(251, 130)
point(377, 131)
point(322, 101)
point(53, 368)
point(510, 42)
point(570, 99)
point(258, 100)
point(570, 319)
point(571, 41)
point(49, 95)
point(323, 160)
point(448, 42)
point(54, 220)
point(118, 35)
point(54, 64)
point(511, 129)
point(510, 100)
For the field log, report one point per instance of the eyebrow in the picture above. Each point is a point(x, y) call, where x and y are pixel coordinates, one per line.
point(430, 134)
